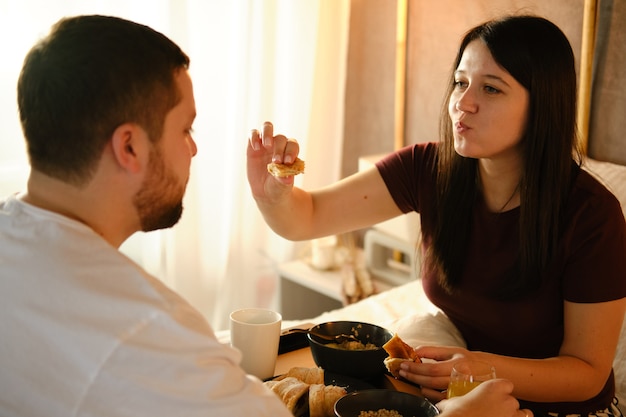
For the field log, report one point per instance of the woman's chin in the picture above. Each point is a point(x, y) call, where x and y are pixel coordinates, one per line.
point(462, 148)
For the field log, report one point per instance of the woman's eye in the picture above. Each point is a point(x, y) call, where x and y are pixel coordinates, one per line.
point(491, 90)
point(460, 84)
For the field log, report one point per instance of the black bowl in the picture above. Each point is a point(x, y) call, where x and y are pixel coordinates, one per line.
point(364, 364)
point(375, 399)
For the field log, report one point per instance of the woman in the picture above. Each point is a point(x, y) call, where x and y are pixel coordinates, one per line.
point(523, 250)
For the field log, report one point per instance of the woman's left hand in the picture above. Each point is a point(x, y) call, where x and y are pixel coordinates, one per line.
point(491, 399)
point(433, 374)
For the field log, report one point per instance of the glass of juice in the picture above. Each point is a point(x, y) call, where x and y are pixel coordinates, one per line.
point(467, 375)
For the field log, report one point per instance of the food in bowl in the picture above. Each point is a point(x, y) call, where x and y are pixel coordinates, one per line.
point(359, 363)
point(383, 412)
point(352, 345)
point(384, 401)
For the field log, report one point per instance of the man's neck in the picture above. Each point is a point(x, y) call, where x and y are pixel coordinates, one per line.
point(80, 203)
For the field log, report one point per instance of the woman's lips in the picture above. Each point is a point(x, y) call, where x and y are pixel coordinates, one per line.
point(461, 127)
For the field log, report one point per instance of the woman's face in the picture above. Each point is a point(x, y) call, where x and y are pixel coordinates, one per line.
point(488, 107)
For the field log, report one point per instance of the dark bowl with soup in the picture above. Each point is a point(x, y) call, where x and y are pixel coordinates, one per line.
point(362, 358)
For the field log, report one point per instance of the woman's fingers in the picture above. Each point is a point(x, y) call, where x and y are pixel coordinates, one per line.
point(255, 140)
point(268, 134)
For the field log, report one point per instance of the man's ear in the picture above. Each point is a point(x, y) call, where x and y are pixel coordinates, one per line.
point(130, 146)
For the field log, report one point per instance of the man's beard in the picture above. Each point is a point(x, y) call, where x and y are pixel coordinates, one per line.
point(159, 202)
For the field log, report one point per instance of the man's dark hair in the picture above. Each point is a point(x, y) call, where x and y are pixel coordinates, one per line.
point(87, 77)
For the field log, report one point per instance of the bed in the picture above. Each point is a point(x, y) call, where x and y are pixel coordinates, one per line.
point(406, 310)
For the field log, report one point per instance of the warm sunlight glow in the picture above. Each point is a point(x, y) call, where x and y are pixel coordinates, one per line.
point(251, 61)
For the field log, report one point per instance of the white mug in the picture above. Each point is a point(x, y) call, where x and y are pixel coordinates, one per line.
point(256, 333)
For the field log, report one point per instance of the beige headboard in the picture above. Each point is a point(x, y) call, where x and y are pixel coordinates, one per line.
point(607, 121)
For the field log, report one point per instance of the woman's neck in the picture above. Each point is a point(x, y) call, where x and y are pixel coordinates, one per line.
point(499, 184)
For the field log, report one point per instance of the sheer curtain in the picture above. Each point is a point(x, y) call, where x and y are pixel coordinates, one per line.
point(251, 61)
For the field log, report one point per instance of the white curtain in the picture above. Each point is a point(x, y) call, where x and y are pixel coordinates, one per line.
point(251, 61)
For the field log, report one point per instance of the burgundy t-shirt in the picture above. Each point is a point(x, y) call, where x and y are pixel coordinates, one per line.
point(589, 266)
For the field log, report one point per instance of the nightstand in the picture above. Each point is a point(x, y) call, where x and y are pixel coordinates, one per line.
point(306, 292)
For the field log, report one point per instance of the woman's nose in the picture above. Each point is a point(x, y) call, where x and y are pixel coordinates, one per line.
point(466, 102)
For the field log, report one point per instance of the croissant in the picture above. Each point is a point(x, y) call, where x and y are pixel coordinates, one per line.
point(322, 399)
point(293, 393)
point(306, 375)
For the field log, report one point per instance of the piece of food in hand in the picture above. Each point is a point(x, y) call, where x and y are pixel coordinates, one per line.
point(293, 393)
point(283, 170)
point(322, 399)
point(399, 351)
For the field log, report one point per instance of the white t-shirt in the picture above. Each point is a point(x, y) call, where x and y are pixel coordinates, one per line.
point(84, 331)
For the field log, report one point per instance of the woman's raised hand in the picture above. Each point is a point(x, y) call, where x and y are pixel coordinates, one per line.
point(263, 148)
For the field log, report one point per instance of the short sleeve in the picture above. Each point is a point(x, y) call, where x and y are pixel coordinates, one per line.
point(595, 245)
point(408, 175)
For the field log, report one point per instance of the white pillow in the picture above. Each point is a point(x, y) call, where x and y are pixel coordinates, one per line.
point(613, 176)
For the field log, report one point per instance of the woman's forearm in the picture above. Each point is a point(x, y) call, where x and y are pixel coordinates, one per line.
point(558, 379)
point(291, 216)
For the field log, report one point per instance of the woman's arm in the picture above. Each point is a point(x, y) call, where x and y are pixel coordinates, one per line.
point(352, 203)
point(579, 372)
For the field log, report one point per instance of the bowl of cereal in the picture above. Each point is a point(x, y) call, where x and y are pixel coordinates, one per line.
point(360, 356)
point(384, 403)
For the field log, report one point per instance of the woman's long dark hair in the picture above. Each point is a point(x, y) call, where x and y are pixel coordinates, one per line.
point(538, 55)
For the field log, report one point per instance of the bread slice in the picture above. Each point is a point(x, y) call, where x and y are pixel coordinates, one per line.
point(399, 351)
point(393, 365)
